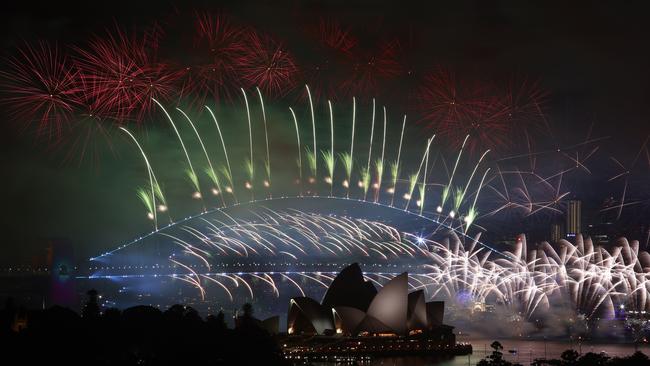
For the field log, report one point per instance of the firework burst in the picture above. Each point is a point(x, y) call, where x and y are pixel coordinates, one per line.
point(267, 65)
point(124, 75)
point(371, 70)
point(455, 108)
point(219, 44)
point(41, 87)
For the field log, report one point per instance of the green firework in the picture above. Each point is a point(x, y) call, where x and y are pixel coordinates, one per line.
point(365, 180)
point(145, 197)
point(311, 160)
point(328, 157)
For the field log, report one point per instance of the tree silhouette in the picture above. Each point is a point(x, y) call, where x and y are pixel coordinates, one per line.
point(217, 322)
point(570, 357)
point(140, 335)
point(247, 310)
point(496, 358)
point(593, 359)
point(91, 308)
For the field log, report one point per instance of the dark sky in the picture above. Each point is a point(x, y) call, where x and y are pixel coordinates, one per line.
point(593, 57)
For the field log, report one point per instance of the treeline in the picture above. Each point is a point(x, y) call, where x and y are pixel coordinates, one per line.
point(568, 358)
point(141, 335)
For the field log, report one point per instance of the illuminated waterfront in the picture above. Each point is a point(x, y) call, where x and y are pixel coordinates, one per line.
point(526, 351)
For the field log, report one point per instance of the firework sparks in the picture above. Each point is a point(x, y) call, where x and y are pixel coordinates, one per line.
point(42, 88)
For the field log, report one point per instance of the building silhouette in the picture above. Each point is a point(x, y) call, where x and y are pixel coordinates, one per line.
point(573, 218)
point(557, 232)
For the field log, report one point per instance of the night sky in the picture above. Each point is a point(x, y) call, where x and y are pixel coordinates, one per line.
point(592, 58)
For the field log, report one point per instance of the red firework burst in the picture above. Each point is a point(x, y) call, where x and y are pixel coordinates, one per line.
point(404, 89)
point(218, 45)
point(88, 103)
point(90, 132)
point(157, 81)
point(524, 101)
point(370, 70)
point(124, 76)
point(329, 55)
point(332, 35)
point(90, 138)
point(153, 36)
point(443, 97)
point(485, 124)
point(268, 65)
point(41, 87)
point(453, 109)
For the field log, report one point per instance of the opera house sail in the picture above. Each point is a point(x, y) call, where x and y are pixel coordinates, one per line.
point(353, 307)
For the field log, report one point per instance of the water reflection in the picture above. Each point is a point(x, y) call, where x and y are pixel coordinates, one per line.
point(521, 351)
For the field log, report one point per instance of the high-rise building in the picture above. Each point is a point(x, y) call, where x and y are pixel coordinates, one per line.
point(557, 232)
point(573, 218)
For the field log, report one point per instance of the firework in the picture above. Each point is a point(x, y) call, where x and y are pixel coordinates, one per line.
point(250, 163)
point(311, 157)
point(328, 156)
point(331, 51)
point(523, 102)
point(145, 196)
point(210, 172)
point(299, 160)
point(119, 78)
point(124, 75)
point(191, 173)
point(267, 162)
point(226, 170)
point(118, 74)
point(267, 65)
point(370, 70)
point(394, 171)
point(42, 88)
point(213, 73)
point(446, 261)
point(334, 36)
point(455, 108)
point(594, 279)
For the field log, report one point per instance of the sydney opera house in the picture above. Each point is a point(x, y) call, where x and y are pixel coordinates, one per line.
point(354, 307)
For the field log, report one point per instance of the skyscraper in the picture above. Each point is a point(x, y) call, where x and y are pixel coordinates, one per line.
point(557, 232)
point(573, 218)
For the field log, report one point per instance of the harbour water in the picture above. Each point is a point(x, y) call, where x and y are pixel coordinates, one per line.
point(525, 351)
point(515, 350)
